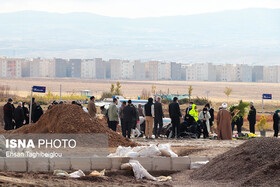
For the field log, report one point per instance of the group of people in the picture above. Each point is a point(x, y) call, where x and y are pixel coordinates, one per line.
point(15, 118)
point(205, 119)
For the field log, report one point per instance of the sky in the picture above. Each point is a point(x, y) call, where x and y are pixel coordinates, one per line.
point(135, 8)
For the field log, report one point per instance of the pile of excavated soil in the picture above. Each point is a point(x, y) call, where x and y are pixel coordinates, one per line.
point(253, 163)
point(71, 119)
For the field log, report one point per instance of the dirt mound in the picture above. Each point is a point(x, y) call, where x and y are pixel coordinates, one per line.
point(68, 118)
point(255, 162)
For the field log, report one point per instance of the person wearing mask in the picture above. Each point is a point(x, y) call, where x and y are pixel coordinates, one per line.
point(158, 118)
point(122, 116)
point(175, 115)
point(189, 108)
point(129, 116)
point(26, 113)
point(193, 112)
point(276, 121)
point(140, 110)
point(212, 114)
point(252, 118)
point(224, 130)
point(9, 114)
point(113, 116)
point(19, 116)
point(204, 117)
point(92, 107)
point(149, 112)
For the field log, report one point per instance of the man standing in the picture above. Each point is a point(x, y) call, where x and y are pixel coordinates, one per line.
point(91, 107)
point(158, 118)
point(121, 115)
point(149, 112)
point(224, 130)
point(129, 115)
point(26, 113)
point(113, 115)
point(175, 114)
point(252, 118)
point(9, 114)
point(19, 116)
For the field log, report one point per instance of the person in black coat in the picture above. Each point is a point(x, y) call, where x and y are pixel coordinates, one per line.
point(9, 115)
point(158, 118)
point(276, 120)
point(252, 118)
point(38, 112)
point(19, 116)
point(175, 114)
point(129, 116)
point(26, 113)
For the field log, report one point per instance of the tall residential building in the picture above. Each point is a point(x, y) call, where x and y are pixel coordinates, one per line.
point(116, 69)
point(62, 68)
point(88, 69)
point(175, 71)
point(152, 70)
point(100, 68)
point(190, 73)
point(257, 73)
point(25, 68)
point(167, 71)
point(127, 69)
point(161, 71)
point(183, 72)
point(10, 67)
point(75, 67)
point(201, 72)
point(225, 73)
point(270, 74)
point(139, 70)
point(108, 70)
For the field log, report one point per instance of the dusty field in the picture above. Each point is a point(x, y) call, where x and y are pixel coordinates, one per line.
point(245, 91)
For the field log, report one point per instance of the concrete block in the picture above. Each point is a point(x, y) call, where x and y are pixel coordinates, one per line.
point(81, 163)
point(38, 164)
point(16, 164)
point(101, 163)
point(118, 161)
point(180, 163)
point(2, 163)
point(60, 163)
point(199, 159)
point(162, 164)
point(147, 163)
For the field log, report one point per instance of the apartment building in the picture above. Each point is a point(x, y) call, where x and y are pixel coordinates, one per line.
point(152, 70)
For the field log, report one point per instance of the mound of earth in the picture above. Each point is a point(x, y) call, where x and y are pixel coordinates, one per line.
point(253, 163)
point(69, 118)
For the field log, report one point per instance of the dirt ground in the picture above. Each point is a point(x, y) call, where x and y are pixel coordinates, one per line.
point(125, 178)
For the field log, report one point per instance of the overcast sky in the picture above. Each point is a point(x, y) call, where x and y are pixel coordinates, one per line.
point(135, 8)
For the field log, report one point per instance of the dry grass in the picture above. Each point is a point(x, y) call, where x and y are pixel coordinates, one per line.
point(244, 91)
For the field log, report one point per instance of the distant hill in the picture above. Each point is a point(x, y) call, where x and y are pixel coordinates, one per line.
point(249, 35)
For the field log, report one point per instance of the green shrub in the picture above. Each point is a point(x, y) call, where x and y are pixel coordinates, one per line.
point(107, 95)
point(201, 101)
